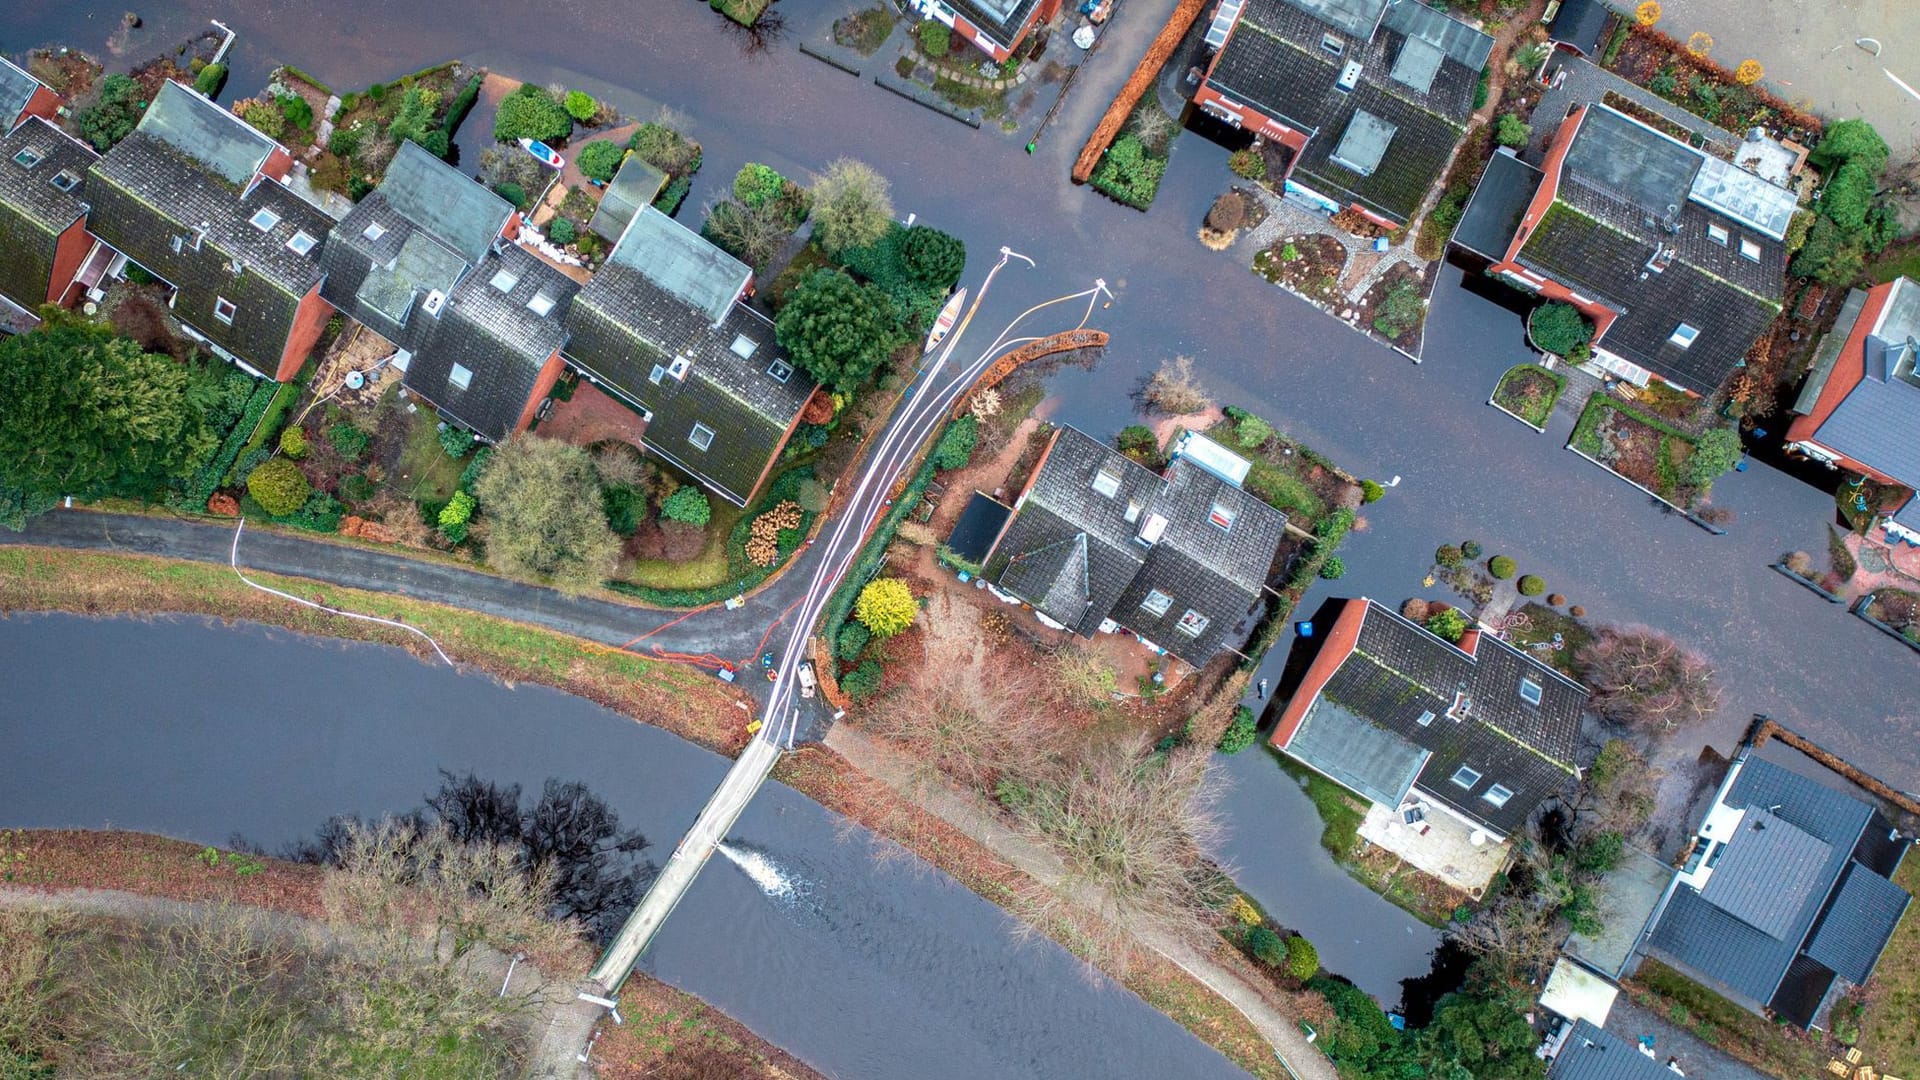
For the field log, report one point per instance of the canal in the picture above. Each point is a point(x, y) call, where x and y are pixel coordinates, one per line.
point(862, 964)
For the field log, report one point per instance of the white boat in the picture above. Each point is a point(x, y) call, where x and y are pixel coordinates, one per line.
point(543, 152)
point(948, 316)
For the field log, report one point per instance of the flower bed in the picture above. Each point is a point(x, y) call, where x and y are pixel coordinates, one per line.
point(1396, 306)
point(1305, 263)
point(1638, 447)
point(1530, 392)
point(1663, 65)
point(1899, 609)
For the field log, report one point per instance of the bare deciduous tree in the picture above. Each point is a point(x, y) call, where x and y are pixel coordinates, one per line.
point(967, 727)
point(619, 463)
point(752, 234)
point(1647, 680)
point(851, 205)
point(1175, 390)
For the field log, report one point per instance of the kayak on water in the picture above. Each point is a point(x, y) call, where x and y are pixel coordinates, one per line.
point(543, 152)
point(948, 316)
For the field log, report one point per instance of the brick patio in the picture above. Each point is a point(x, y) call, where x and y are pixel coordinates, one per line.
point(592, 416)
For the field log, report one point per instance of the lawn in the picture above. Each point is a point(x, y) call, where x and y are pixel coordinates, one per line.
point(1283, 474)
point(1542, 624)
point(704, 571)
point(1530, 392)
point(427, 475)
point(1340, 813)
point(1641, 447)
point(1890, 1029)
point(1901, 259)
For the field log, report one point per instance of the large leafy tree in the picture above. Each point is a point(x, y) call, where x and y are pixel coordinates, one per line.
point(1479, 1038)
point(541, 500)
point(837, 329)
point(88, 414)
point(851, 205)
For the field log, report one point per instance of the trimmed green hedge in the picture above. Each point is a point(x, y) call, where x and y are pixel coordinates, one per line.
point(205, 480)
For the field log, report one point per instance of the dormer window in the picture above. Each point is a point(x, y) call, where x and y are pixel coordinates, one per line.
point(179, 244)
point(1465, 776)
point(1156, 603)
point(701, 436)
point(1192, 623)
point(224, 310)
point(374, 230)
point(780, 371)
point(28, 157)
point(300, 243)
point(656, 374)
point(264, 219)
point(1749, 250)
point(1530, 691)
point(65, 180)
point(1107, 480)
point(1222, 515)
point(743, 347)
point(1498, 795)
point(505, 280)
point(1426, 718)
point(1683, 335)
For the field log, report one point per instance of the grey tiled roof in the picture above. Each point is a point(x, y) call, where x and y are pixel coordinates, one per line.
point(1876, 423)
point(1399, 672)
point(1624, 194)
point(1582, 242)
point(1073, 551)
point(682, 262)
point(224, 144)
point(1717, 945)
point(33, 212)
point(1593, 1054)
point(1499, 201)
point(1274, 62)
point(145, 192)
point(1858, 923)
point(438, 198)
point(1062, 506)
point(623, 325)
point(501, 341)
point(1580, 24)
point(16, 90)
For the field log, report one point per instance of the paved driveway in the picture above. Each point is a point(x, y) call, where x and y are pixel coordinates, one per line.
point(1809, 52)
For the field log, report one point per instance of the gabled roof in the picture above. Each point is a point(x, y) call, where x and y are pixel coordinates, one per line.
point(34, 210)
point(1178, 558)
point(438, 198)
point(502, 337)
point(627, 331)
point(636, 185)
point(1750, 930)
point(1592, 1053)
point(1858, 923)
point(1405, 681)
point(1418, 73)
point(1664, 236)
point(16, 91)
point(682, 262)
point(222, 143)
point(1877, 422)
point(1580, 24)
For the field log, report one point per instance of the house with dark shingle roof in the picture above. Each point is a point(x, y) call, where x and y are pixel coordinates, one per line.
point(1368, 97)
point(195, 196)
point(1592, 1053)
point(1860, 407)
point(1677, 256)
point(43, 218)
point(665, 326)
point(427, 261)
point(22, 95)
point(997, 27)
point(1479, 730)
point(1785, 896)
point(1098, 542)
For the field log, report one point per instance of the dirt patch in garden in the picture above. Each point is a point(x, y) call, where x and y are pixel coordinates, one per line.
point(1395, 306)
point(1666, 67)
point(984, 473)
point(69, 72)
point(1306, 263)
point(670, 1032)
point(592, 416)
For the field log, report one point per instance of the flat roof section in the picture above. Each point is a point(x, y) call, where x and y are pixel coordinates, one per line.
point(1497, 205)
point(979, 526)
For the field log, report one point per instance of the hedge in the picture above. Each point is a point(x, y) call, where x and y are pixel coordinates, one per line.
point(206, 479)
point(284, 395)
point(874, 552)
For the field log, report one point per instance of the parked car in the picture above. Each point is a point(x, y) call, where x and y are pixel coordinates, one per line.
point(807, 681)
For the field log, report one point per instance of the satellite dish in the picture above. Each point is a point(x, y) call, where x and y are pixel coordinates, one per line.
point(90, 308)
point(1478, 838)
point(355, 380)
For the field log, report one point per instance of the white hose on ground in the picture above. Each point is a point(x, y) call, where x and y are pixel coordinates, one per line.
point(234, 560)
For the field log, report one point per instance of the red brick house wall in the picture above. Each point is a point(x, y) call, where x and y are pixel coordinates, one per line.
point(308, 321)
point(1848, 369)
point(69, 251)
point(549, 375)
point(1339, 643)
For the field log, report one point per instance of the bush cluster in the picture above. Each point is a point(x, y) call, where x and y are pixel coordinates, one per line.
point(1248, 164)
point(886, 607)
point(1128, 174)
point(1560, 329)
point(1530, 585)
point(531, 113)
point(278, 486)
point(1502, 567)
point(1240, 731)
point(349, 440)
point(687, 505)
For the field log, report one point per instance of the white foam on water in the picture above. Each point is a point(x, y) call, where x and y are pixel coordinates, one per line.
point(764, 872)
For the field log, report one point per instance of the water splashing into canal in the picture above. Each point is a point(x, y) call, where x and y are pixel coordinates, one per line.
point(764, 871)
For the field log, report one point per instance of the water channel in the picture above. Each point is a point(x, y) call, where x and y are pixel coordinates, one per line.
point(861, 965)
